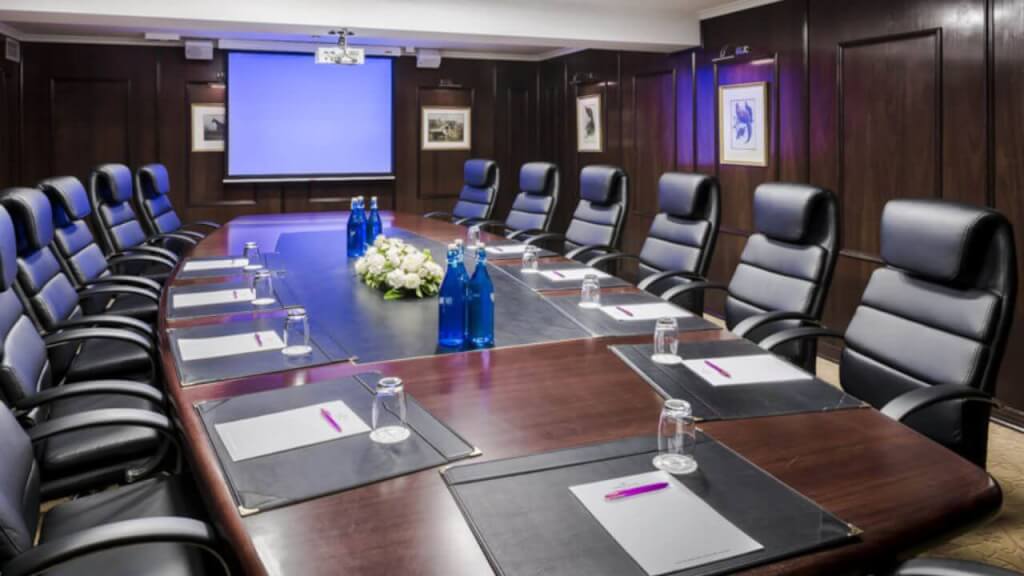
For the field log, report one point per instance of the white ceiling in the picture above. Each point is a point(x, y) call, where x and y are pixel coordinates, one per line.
point(530, 29)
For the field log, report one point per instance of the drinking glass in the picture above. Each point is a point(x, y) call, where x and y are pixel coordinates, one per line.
point(296, 333)
point(530, 263)
point(252, 256)
point(666, 342)
point(262, 288)
point(590, 292)
point(677, 437)
point(389, 426)
point(473, 235)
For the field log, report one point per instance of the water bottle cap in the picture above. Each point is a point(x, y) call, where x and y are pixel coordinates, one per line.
point(296, 312)
point(250, 244)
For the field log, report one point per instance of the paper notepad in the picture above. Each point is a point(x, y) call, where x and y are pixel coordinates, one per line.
point(201, 265)
point(287, 430)
point(571, 274)
point(757, 369)
point(213, 297)
point(218, 346)
point(664, 531)
point(637, 312)
point(509, 249)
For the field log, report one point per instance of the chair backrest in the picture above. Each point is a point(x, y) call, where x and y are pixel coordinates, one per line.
point(683, 234)
point(788, 261)
point(535, 204)
point(114, 220)
point(479, 189)
point(939, 311)
point(152, 186)
point(72, 236)
point(19, 488)
point(601, 211)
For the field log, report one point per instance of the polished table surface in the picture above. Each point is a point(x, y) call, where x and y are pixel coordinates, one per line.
point(901, 489)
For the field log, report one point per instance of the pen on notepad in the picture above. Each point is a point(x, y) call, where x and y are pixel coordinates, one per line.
point(259, 341)
point(624, 311)
point(235, 293)
point(330, 420)
point(627, 492)
point(557, 273)
point(718, 368)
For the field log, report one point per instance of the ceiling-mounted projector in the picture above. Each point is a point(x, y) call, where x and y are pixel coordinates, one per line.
point(342, 53)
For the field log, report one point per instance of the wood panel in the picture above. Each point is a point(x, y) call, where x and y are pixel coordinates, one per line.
point(10, 120)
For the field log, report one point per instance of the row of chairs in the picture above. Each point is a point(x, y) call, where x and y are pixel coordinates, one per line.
point(924, 344)
point(83, 402)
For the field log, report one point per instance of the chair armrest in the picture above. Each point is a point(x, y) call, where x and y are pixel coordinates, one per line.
point(94, 290)
point(758, 320)
point(655, 278)
point(139, 281)
point(100, 418)
point(117, 261)
point(467, 221)
point(572, 254)
point(109, 321)
point(515, 235)
point(543, 237)
point(779, 338)
point(205, 223)
point(79, 334)
point(171, 236)
point(155, 250)
point(438, 215)
point(672, 293)
point(167, 529)
point(949, 567)
point(487, 224)
point(119, 387)
point(598, 260)
point(909, 402)
point(190, 233)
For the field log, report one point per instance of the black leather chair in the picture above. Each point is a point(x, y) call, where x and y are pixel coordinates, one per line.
point(596, 225)
point(949, 567)
point(785, 269)
point(90, 458)
point(152, 527)
point(88, 266)
point(479, 192)
point(152, 185)
point(114, 220)
point(681, 239)
point(533, 207)
point(925, 343)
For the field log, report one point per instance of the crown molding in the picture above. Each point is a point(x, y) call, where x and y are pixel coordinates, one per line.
point(730, 7)
point(11, 31)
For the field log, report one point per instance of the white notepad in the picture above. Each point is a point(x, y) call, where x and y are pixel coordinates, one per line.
point(218, 346)
point(664, 531)
point(509, 249)
point(637, 312)
point(756, 369)
point(571, 274)
point(200, 265)
point(213, 297)
point(287, 430)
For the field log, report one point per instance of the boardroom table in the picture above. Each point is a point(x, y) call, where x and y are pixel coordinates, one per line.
point(902, 491)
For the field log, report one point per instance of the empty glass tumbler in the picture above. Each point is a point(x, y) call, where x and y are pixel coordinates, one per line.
point(262, 288)
point(590, 292)
point(677, 437)
point(473, 236)
point(666, 342)
point(296, 333)
point(389, 424)
point(252, 256)
point(530, 263)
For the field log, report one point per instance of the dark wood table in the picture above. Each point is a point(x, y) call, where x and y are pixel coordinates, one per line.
point(901, 489)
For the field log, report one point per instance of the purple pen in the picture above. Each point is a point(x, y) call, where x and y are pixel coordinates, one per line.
point(718, 368)
point(330, 420)
point(627, 492)
point(259, 341)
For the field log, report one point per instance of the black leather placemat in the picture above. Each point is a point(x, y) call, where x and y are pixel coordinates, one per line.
point(284, 478)
point(539, 282)
point(735, 401)
point(184, 274)
point(192, 372)
point(600, 324)
point(240, 283)
point(528, 522)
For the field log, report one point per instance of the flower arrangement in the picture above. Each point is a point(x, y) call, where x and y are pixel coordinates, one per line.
point(400, 269)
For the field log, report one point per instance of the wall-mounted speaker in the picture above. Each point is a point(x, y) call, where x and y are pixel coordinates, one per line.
point(428, 59)
point(198, 50)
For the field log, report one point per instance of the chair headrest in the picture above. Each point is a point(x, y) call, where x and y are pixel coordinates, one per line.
point(115, 182)
point(783, 211)
point(68, 193)
point(8, 251)
point(32, 215)
point(479, 172)
point(154, 181)
point(682, 194)
point(936, 239)
point(536, 177)
point(600, 184)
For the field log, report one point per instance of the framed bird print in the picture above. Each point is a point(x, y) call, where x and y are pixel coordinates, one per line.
point(743, 124)
point(589, 131)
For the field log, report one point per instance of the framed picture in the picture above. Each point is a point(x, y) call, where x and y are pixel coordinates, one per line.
point(208, 127)
point(743, 124)
point(589, 131)
point(446, 128)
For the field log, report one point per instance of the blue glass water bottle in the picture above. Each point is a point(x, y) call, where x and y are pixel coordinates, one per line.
point(355, 240)
point(451, 332)
point(481, 303)
point(373, 223)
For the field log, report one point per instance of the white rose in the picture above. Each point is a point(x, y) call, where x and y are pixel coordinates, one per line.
point(395, 259)
point(396, 279)
point(376, 269)
point(435, 269)
point(376, 260)
point(412, 281)
point(380, 240)
point(412, 262)
point(361, 266)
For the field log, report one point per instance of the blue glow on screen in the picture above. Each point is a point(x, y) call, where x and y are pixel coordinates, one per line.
point(288, 116)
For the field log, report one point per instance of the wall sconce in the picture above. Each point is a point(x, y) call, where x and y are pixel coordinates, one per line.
point(582, 78)
point(728, 52)
point(446, 83)
point(218, 81)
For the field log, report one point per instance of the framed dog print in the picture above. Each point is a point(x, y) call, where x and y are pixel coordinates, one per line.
point(208, 127)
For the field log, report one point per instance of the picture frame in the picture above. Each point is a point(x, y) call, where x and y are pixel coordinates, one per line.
point(446, 128)
point(209, 127)
point(589, 123)
point(743, 124)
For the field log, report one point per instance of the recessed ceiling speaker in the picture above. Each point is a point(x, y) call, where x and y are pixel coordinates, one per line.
point(198, 50)
point(428, 58)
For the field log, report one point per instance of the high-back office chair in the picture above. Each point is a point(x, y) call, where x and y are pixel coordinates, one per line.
point(596, 225)
point(681, 239)
point(785, 269)
point(152, 188)
point(479, 192)
point(534, 205)
point(925, 343)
